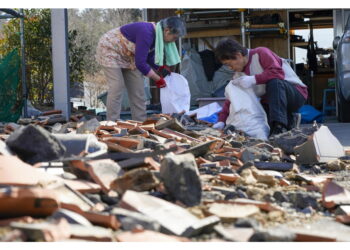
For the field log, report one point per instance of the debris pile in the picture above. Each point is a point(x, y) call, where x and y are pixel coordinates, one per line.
point(170, 178)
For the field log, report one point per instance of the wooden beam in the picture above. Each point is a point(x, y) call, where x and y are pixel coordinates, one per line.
point(213, 33)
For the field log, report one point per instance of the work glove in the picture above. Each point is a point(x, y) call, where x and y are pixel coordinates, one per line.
point(164, 71)
point(245, 81)
point(161, 83)
point(219, 125)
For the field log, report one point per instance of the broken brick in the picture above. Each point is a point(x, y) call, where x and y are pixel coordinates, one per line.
point(139, 179)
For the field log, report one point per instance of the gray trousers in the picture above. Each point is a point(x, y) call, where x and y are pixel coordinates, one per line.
point(117, 80)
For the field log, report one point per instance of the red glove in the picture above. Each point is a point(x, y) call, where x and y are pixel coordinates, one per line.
point(164, 70)
point(161, 83)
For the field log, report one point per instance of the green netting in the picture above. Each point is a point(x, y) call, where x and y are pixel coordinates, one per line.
point(10, 106)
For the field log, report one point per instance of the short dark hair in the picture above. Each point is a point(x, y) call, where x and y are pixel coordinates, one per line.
point(228, 49)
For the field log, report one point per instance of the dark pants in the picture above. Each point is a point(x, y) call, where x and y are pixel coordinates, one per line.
point(283, 99)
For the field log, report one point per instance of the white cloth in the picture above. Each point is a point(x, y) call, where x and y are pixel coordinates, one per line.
point(176, 96)
point(246, 112)
point(219, 125)
point(245, 81)
point(290, 76)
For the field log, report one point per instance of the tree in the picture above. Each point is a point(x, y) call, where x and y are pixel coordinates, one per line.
point(37, 35)
point(91, 24)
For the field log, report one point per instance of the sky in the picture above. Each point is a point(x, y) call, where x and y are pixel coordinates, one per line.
point(324, 38)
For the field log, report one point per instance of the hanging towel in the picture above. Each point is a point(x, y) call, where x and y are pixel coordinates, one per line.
point(171, 52)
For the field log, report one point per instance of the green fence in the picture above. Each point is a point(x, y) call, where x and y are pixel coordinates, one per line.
point(10, 105)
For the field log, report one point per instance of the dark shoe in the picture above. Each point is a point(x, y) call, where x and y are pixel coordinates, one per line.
point(277, 128)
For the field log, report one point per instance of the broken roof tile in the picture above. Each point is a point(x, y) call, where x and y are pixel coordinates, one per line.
point(104, 172)
point(148, 236)
point(334, 194)
point(27, 201)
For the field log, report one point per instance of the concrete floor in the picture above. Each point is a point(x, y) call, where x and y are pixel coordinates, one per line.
point(339, 130)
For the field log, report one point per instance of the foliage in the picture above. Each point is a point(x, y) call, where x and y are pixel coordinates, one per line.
point(37, 34)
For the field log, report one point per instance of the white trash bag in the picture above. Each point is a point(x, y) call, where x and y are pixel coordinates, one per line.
point(246, 112)
point(176, 96)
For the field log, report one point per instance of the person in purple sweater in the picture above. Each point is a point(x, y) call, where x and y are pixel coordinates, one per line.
point(284, 91)
point(128, 52)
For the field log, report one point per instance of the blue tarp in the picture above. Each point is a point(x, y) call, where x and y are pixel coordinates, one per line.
point(310, 114)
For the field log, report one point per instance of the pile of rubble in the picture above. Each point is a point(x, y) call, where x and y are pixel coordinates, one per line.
point(170, 178)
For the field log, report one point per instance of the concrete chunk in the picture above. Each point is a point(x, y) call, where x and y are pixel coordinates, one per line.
point(34, 144)
point(181, 178)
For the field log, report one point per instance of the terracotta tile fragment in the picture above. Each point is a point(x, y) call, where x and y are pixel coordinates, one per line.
point(24, 219)
point(345, 219)
point(284, 182)
point(91, 233)
point(126, 125)
point(147, 127)
point(229, 177)
point(316, 179)
point(313, 238)
point(172, 217)
point(46, 231)
point(83, 186)
point(10, 166)
point(117, 148)
point(21, 201)
point(230, 212)
point(162, 134)
point(95, 217)
point(333, 195)
point(265, 206)
point(139, 131)
point(104, 172)
point(123, 141)
point(180, 135)
point(139, 179)
point(148, 236)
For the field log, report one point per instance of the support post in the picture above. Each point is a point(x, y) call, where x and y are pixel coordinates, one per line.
point(60, 60)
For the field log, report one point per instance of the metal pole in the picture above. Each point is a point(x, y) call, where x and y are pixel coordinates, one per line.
point(24, 84)
point(243, 30)
point(144, 15)
point(180, 43)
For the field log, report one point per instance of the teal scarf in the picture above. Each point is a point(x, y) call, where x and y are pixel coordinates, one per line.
point(171, 53)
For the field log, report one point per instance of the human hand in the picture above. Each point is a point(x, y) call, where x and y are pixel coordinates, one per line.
point(219, 125)
point(245, 81)
point(164, 71)
point(161, 83)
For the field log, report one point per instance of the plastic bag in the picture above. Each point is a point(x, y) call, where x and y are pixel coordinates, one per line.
point(176, 96)
point(246, 112)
